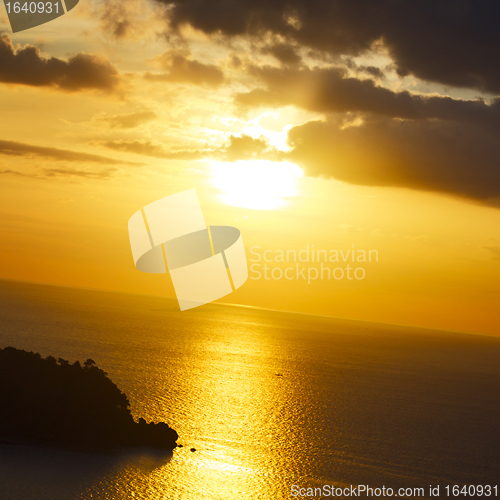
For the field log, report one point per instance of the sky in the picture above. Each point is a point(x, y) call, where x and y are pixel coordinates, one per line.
point(337, 126)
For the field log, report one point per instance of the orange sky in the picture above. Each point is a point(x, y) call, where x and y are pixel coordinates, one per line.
point(291, 139)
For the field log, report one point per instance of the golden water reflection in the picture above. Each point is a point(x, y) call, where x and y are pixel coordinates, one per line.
point(267, 399)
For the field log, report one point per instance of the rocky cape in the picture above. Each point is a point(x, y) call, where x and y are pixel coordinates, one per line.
point(52, 402)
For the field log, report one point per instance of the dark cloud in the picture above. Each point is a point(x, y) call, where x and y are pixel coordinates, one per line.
point(127, 19)
point(235, 61)
point(17, 173)
point(85, 174)
point(244, 147)
point(127, 121)
point(453, 42)
point(328, 90)
point(116, 19)
point(154, 150)
point(458, 158)
point(29, 151)
point(372, 71)
point(241, 147)
point(181, 68)
point(407, 140)
point(48, 173)
point(26, 66)
point(284, 52)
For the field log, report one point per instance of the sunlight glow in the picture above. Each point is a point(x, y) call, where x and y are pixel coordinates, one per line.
point(257, 184)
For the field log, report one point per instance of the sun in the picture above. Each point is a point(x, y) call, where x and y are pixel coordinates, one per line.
point(256, 184)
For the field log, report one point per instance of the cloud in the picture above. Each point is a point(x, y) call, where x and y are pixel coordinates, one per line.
point(244, 147)
point(26, 66)
point(181, 68)
point(85, 174)
point(116, 18)
point(241, 147)
point(459, 158)
point(375, 136)
point(15, 172)
point(11, 148)
point(48, 173)
point(126, 121)
point(284, 52)
point(154, 150)
point(450, 42)
point(372, 71)
point(329, 90)
point(127, 19)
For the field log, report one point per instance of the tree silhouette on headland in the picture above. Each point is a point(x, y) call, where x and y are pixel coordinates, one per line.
point(54, 402)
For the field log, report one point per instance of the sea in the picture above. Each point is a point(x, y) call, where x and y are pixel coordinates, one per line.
point(276, 405)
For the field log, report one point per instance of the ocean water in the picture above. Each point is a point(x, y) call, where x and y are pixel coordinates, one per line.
point(269, 400)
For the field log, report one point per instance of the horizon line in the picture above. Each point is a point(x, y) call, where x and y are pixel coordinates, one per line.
point(246, 306)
